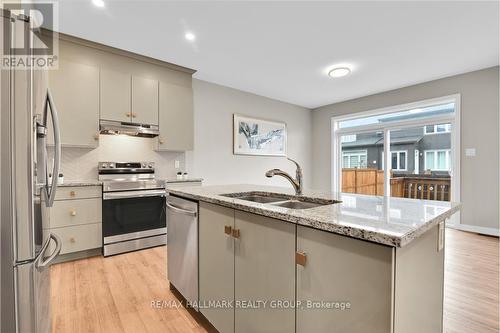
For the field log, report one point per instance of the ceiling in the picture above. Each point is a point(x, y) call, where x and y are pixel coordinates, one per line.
point(282, 49)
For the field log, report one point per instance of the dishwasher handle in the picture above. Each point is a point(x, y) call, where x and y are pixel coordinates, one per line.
point(180, 210)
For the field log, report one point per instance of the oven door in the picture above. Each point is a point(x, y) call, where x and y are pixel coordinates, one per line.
point(133, 214)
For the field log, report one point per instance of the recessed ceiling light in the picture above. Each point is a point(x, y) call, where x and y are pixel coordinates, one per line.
point(98, 3)
point(190, 36)
point(339, 72)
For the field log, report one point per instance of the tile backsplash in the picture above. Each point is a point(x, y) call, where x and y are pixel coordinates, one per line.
point(81, 163)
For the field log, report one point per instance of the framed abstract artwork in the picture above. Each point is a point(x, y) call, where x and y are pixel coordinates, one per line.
point(254, 136)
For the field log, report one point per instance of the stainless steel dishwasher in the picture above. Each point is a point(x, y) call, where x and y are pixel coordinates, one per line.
point(182, 247)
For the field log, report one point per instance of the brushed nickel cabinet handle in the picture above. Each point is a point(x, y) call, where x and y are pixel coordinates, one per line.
point(236, 233)
point(228, 230)
point(300, 258)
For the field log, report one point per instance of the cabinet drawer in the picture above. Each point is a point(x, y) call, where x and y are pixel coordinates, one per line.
point(66, 213)
point(79, 238)
point(78, 192)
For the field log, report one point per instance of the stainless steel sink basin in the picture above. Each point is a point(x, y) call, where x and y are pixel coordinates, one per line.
point(261, 198)
point(295, 204)
point(281, 200)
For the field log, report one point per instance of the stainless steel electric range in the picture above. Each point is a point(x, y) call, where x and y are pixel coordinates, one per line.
point(133, 207)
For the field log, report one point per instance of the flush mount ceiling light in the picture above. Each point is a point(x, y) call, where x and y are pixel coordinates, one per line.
point(190, 36)
point(98, 3)
point(339, 72)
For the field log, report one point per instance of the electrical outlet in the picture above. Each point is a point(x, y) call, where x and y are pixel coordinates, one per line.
point(470, 152)
point(177, 164)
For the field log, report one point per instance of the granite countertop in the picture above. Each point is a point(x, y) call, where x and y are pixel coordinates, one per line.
point(77, 183)
point(389, 221)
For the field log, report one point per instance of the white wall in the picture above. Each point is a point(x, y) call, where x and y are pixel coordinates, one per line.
point(479, 175)
point(213, 159)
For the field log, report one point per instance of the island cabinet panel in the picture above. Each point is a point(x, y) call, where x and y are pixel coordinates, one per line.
point(344, 270)
point(216, 265)
point(264, 271)
point(175, 118)
point(115, 95)
point(144, 101)
point(75, 90)
point(419, 284)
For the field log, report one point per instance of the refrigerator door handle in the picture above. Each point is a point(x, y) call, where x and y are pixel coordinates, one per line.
point(41, 261)
point(51, 193)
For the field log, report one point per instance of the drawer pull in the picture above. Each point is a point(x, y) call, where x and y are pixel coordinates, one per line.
point(134, 115)
point(72, 194)
point(236, 233)
point(161, 141)
point(128, 114)
point(300, 258)
point(72, 212)
point(228, 230)
point(72, 240)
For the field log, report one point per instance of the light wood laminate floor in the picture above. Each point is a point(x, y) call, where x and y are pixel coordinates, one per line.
point(115, 294)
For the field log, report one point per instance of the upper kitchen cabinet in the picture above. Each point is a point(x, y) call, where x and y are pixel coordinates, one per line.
point(176, 118)
point(75, 90)
point(144, 101)
point(115, 95)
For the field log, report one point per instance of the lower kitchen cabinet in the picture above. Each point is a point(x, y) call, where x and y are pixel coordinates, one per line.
point(216, 265)
point(264, 271)
point(76, 217)
point(246, 260)
point(339, 284)
point(341, 270)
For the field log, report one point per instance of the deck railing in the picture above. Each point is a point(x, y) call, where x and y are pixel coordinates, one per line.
point(371, 181)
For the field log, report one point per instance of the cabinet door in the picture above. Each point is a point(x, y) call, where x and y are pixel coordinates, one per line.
point(176, 118)
point(340, 269)
point(144, 101)
point(264, 271)
point(75, 89)
point(216, 265)
point(115, 95)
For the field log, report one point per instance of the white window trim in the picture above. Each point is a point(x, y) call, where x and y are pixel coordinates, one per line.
point(454, 120)
point(448, 129)
point(354, 153)
point(398, 159)
point(435, 151)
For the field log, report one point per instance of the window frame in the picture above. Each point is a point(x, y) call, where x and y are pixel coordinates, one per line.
point(398, 159)
point(454, 119)
point(435, 152)
point(359, 152)
point(435, 126)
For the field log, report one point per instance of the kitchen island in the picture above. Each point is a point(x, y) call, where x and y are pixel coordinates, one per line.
point(351, 263)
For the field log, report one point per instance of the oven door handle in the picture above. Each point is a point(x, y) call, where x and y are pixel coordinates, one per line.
point(133, 194)
point(180, 210)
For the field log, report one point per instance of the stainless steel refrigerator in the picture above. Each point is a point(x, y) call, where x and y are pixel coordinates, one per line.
point(27, 109)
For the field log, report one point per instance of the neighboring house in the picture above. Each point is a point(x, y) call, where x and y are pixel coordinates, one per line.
point(413, 151)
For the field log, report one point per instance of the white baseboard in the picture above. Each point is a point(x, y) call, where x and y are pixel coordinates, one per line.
point(476, 229)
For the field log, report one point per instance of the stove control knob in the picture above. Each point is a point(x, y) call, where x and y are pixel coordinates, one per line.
point(111, 165)
point(150, 165)
point(143, 165)
point(104, 165)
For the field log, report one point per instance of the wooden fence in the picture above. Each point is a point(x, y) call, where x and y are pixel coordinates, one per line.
point(371, 181)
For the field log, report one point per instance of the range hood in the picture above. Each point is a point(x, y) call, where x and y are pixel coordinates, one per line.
point(133, 129)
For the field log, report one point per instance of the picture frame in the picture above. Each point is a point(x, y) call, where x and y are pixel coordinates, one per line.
point(258, 136)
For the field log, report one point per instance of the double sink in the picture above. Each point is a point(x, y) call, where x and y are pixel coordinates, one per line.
point(282, 200)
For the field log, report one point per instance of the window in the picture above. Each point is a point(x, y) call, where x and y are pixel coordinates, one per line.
point(437, 160)
point(437, 129)
point(399, 160)
point(354, 159)
point(348, 138)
